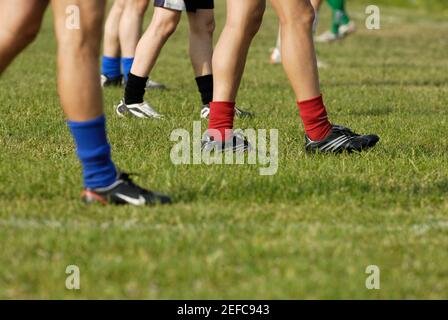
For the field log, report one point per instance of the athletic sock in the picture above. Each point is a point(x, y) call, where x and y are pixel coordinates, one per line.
point(221, 119)
point(110, 67)
point(93, 151)
point(126, 65)
point(205, 87)
point(315, 118)
point(135, 89)
point(340, 16)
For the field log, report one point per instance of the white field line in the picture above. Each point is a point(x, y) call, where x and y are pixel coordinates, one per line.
point(135, 224)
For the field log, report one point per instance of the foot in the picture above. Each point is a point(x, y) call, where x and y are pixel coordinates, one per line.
point(321, 65)
point(139, 110)
point(341, 139)
point(205, 112)
point(238, 143)
point(124, 191)
point(152, 85)
point(327, 36)
point(347, 29)
point(111, 82)
point(276, 56)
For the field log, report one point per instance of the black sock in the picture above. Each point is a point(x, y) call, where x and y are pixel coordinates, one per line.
point(135, 89)
point(205, 86)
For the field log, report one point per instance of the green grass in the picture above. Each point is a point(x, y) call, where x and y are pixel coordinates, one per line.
point(308, 232)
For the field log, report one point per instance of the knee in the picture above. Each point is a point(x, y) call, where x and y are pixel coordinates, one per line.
point(253, 23)
point(205, 26)
point(85, 40)
point(140, 6)
point(248, 21)
point(119, 5)
point(165, 27)
point(29, 32)
point(303, 18)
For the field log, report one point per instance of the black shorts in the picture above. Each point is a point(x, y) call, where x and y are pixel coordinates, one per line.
point(189, 5)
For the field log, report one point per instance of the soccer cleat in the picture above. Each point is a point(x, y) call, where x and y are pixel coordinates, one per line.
point(243, 114)
point(238, 143)
point(205, 112)
point(327, 36)
point(347, 29)
point(276, 56)
point(124, 191)
point(109, 82)
point(138, 110)
point(341, 139)
point(152, 85)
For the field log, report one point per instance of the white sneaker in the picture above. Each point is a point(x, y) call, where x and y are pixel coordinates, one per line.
point(321, 65)
point(327, 36)
point(347, 29)
point(276, 56)
point(139, 110)
point(240, 113)
point(151, 85)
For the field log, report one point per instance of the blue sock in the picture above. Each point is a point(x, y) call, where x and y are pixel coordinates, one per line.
point(126, 64)
point(93, 151)
point(110, 67)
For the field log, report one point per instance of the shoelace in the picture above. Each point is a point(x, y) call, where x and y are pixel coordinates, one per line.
point(126, 177)
point(347, 132)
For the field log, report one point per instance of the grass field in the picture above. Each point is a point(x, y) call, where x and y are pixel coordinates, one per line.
point(310, 231)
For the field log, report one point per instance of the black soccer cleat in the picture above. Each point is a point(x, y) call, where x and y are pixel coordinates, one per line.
point(341, 139)
point(124, 192)
point(109, 82)
point(238, 143)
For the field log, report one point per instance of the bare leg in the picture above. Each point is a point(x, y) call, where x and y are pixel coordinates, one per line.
point(316, 5)
point(243, 21)
point(78, 59)
point(164, 23)
point(202, 26)
point(131, 25)
point(20, 21)
point(299, 57)
point(111, 30)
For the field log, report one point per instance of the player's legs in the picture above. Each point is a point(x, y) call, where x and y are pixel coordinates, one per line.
point(111, 61)
point(243, 22)
point(341, 25)
point(202, 27)
point(78, 52)
point(340, 16)
point(81, 98)
point(111, 46)
point(130, 31)
point(20, 21)
point(164, 22)
point(131, 25)
point(276, 57)
point(229, 59)
point(299, 57)
point(296, 19)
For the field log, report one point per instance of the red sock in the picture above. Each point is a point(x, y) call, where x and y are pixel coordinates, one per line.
point(221, 118)
point(315, 119)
